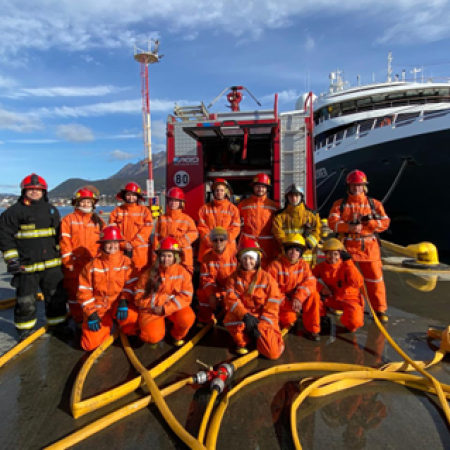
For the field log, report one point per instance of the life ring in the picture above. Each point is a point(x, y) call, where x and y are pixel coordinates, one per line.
point(386, 121)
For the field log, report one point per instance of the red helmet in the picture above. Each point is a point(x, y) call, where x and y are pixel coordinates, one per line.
point(224, 182)
point(110, 233)
point(33, 181)
point(261, 178)
point(83, 193)
point(175, 193)
point(357, 177)
point(247, 243)
point(169, 244)
point(131, 186)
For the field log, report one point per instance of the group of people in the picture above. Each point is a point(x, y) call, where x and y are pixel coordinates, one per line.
point(257, 263)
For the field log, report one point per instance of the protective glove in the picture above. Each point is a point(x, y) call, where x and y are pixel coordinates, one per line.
point(250, 322)
point(128, 253)
point(345, 256)
point(297, 305)
point(13, 266)
point(122, 310)
point(256, 334)
point(94, 323)
point(367, 218)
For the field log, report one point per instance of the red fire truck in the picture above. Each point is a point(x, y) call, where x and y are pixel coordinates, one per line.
point(237, 145)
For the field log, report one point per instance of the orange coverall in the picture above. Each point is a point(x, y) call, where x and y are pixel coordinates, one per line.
point(218, 213)
point(296, 281)
point(180, 226)
point(345, 282)
point(257, 214)
point(214, 272)
point(104, 281)
point(363, 247)
point(175, 294)
point(263, 303)
point(78, 246)
point(135, 223)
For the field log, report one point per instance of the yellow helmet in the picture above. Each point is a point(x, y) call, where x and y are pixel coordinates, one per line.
point(332, 244)
point(218, 231)
point(292, 240)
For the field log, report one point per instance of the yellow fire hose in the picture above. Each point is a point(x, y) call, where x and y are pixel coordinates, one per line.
point(80, 408)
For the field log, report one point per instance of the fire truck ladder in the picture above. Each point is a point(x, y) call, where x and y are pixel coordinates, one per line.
point(292, 151)
point(186, 113)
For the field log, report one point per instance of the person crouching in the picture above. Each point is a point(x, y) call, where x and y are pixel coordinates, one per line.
point(106, 292)
point(252, 304)
point(165, 291)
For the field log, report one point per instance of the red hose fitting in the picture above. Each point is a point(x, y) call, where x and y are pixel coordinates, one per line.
point(224, 373)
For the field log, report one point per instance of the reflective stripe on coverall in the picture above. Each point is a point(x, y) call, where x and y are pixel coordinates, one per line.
point(364, 250)
point(263, 303)
point(257, 214)
point(104, 281)
point(345, 282)
point(218, 213)
point(175, 294)
point(135, 223)
point(296, 281)
point(180, 226)
point(214, 273)
point(78, 246)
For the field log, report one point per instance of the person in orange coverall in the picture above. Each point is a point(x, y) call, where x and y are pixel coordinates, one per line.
point(218, 213)
point(298, 286)
point(106, 292)
point(257, 213)
point(135, 223)
point(252, 304)
point(80, 232)
point(175, 223)
point(165, 290)
point(217, 266)
point(342, 284)
point(358, 219)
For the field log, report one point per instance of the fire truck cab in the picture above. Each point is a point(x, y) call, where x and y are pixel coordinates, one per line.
point(237, 145)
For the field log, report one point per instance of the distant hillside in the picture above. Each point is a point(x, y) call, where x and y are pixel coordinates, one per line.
point(110, 186)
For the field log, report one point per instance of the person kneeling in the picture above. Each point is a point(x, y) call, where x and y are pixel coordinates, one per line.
point(342, 284)
point(298, 286)
point(252, 304)
point(106, 292)
point(165, 290)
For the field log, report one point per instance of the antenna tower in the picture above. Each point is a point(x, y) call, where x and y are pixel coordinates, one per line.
point(389, 70)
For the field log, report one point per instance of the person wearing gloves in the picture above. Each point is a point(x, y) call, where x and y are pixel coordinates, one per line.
point(257, 214)
point(135, 223)
point(106, 292)
point(217, 266)
point(165, 291)
point(297, 218)
point(220, 212)
point(80, 232)
point(252, 304)
point(341, 284)
point(178, 225)
point(298, 286)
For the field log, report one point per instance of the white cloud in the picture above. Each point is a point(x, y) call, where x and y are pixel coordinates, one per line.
point(6, 82)
point(75, 133)
point(286, 96)
point(121, 155)
point(310, 44)
point(123, 136)
point(65, 91)
point(87, 58)
point(22, 123)
point(33, 141)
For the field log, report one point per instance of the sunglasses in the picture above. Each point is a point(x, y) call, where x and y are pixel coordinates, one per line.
point(219, 240)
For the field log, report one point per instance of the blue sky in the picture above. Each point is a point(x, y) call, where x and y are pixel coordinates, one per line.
point(70, 102)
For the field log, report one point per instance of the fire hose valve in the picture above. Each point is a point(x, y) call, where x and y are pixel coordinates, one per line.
point(224, 373)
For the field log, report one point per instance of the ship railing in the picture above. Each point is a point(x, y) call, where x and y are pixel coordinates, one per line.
point(392, 121)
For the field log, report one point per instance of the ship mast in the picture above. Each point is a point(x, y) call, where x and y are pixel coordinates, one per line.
point(389, 70)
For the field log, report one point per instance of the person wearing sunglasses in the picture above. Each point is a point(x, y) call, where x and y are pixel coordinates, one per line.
point(217, 266)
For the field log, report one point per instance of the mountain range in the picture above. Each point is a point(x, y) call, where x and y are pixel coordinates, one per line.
point(110, 186)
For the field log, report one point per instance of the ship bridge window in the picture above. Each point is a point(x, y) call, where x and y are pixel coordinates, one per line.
point(413, 93)
point(378, 98)
point(428, 92)
point(364, 101)
point(348, 107)
point(396, 95)
point(444, 92)
point(334, 110)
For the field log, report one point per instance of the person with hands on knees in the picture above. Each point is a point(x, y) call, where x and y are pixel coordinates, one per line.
point(217, 266)
point(178, 225)
point(340, 284)
point(252, 304)
point(165, 291)
point(106, 291)
point(298, 287)
point(135, 222)
point(220, 212)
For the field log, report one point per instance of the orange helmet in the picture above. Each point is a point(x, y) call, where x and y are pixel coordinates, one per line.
point(83, 193)
point(110, 233)
point(357, 177)
point(176, 193)
point(131, 186)
point(169, 244)
point(33, 181)
point(248, 243)
point(261, 178)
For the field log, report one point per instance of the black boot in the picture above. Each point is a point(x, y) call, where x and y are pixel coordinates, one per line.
point(325, 324)
point(62, 331)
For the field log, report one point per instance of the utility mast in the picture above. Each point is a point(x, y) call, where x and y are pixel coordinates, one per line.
point(144, 58)
point(389, 70)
